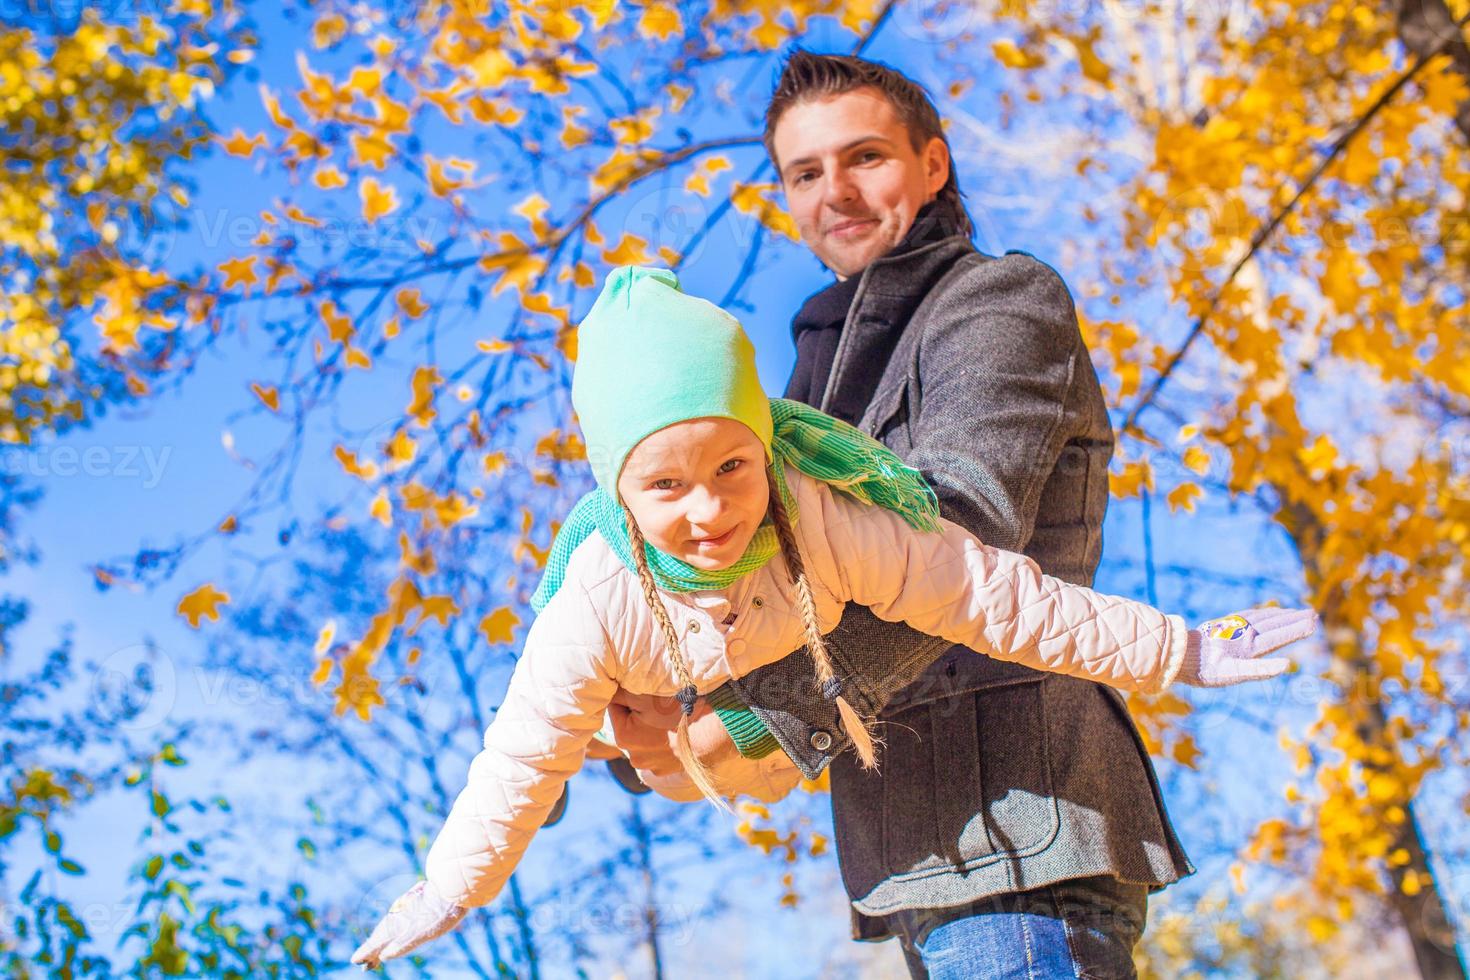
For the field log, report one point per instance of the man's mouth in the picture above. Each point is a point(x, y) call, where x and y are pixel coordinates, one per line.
point(849, 228)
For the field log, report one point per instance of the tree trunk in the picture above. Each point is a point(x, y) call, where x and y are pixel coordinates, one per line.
point(1423, 913)
point(644, 842)
point(1427, 26)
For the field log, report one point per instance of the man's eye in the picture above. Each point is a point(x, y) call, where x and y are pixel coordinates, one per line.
point(656, 483)
point(802, 176)
point(871, 155)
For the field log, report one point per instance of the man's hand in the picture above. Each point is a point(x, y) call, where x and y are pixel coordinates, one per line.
point(646, 729)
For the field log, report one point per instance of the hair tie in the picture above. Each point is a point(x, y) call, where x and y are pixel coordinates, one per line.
point(687, 695)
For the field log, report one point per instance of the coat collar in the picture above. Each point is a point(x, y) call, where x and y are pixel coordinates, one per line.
point(891, 288)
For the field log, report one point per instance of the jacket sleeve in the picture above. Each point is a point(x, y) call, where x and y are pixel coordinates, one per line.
point(987, 463)
point(949, 584)
point(558, 692)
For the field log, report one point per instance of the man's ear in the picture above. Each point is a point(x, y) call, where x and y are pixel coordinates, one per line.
point(936, 164)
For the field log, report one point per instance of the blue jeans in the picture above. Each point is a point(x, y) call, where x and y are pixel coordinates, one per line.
point(1085, 927)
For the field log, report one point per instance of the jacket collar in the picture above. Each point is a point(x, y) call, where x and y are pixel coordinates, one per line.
point(890, 289)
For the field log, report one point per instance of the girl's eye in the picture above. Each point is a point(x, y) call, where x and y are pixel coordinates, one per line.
point(737, 462)
point(666, 479)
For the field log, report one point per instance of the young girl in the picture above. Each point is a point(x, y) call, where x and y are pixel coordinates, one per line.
point(702, 481)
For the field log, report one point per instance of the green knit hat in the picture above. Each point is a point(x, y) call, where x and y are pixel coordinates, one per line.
point(650, 355)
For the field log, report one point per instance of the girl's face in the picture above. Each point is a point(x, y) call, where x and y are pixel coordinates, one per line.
point(698, 490)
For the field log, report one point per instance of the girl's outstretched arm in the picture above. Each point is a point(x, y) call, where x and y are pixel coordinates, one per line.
point(952, 585)
point(558, 693)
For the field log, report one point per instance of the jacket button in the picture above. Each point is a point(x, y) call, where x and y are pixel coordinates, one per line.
point(694, 626)
point(758, 602)
point(821, 741)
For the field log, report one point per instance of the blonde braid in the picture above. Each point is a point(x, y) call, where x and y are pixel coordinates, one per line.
point(852, 723)
point(698, 773)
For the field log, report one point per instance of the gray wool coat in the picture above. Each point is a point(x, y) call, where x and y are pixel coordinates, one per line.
point(992, 777)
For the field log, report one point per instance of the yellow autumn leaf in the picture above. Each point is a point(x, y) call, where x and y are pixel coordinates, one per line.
point(1183, 497)
point(499, 626)
point(1196, 460)
point(239, 272)
point(241, 145)
point(754, 199)
point(630, 250)
point(421, 408)
point(267, 395)
point(381, 509)
point(660, 21)
point(203, 602)
point(1135, 477)
point(411, 302)
point(329, 178)
point(324, 638)
point(1008, 54)
point(350, 464)
point(377, 199)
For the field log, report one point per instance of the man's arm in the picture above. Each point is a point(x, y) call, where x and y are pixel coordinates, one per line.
point(996, 363)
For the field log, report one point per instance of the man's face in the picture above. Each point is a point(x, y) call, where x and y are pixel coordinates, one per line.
point(853, 181)
point(698, 490)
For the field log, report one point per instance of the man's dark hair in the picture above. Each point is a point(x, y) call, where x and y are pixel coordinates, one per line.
point(807, 76)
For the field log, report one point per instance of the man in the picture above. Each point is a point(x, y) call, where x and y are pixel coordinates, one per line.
point(1014, 826)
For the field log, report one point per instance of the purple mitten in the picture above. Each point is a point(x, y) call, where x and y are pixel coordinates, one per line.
point(417, 916)
point(1225, 651)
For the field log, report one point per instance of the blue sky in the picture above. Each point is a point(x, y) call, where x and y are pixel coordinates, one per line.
point(141, 475)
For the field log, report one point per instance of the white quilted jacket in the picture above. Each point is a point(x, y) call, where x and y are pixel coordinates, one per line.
point(597, 634)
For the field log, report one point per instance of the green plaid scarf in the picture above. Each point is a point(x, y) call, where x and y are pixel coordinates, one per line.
point(817, 444)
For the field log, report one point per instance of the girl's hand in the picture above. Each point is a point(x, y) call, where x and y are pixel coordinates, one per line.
point(417, 916)
point(1225, 651)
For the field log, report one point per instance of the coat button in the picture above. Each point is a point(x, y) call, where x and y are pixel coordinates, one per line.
point(821, 741)
point(694, 626)
point(758, 602)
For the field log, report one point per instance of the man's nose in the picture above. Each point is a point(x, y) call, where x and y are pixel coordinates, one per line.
point(840, 189)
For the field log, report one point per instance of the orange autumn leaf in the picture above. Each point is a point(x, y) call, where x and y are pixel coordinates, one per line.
point(268, 395)
point(329, 178)
point(411, 302)
point(499, 626)
point(378, 199)
point(339, 324)
point(239, 272)
point(240, 145)
point(203, 602)
point(421, 408)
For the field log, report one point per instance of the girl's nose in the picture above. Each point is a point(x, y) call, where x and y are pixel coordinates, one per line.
point(704, 507)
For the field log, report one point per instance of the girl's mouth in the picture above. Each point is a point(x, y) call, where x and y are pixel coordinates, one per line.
point(716, 542)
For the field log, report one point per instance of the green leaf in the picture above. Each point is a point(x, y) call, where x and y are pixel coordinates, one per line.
point(71, 867)
point(53, 841)
point(307, 848)
point(155, 865)
point(161, 807)
point(171, 755)
point(180, 889)
point(65, 917)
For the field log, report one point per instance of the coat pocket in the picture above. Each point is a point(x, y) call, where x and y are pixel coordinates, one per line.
point(967, 781)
